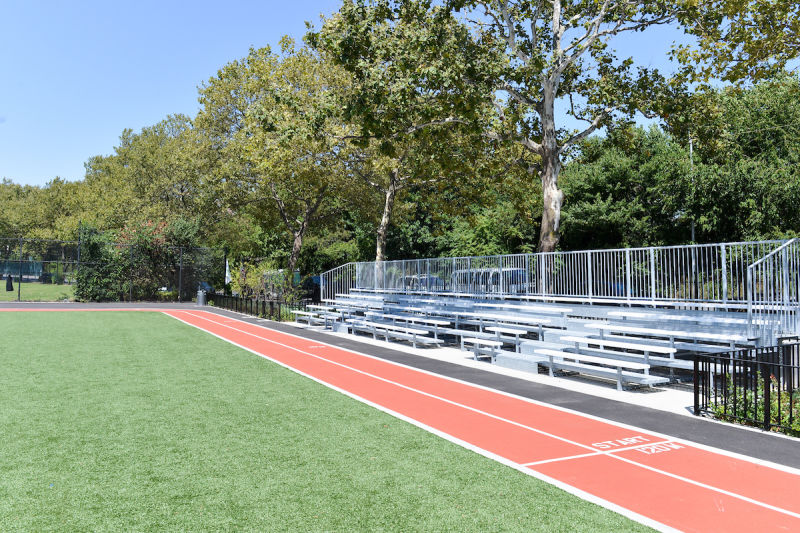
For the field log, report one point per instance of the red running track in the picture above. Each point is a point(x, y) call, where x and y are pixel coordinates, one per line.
point(660, 481)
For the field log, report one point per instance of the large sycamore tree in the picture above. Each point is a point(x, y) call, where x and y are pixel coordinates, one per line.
point(559, 68)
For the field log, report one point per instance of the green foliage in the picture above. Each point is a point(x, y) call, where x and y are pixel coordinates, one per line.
point(740, 40)
point(101, 274)
point(628, 189)
point(427, 122)
point(141, 259)
point(745, 405)
point(747, 155)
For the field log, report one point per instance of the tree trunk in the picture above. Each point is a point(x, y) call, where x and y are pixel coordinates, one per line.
point(297, 244)
point(552, 197)
point(388, 207)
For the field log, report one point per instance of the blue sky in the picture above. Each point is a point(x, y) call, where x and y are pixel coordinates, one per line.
point(74, 75)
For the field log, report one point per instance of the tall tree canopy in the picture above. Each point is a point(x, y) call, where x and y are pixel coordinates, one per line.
point(558, 54)
point(275, 121)
point(417, 91)
point(742, 40)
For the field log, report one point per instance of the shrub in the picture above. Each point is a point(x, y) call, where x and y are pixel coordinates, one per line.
point(746, 406)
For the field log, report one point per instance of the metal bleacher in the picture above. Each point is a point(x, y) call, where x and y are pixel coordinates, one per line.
point(613, 314)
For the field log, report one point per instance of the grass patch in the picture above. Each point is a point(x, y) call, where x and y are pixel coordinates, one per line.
point(134, 421)
point(37, 292)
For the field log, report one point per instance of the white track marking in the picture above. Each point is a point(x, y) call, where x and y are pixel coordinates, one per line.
point(597, 452)
point(653, 469)
point(591, 498)
point(565, 458)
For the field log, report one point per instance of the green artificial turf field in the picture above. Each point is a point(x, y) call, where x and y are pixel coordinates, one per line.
point(37, 292)
point(135, 421)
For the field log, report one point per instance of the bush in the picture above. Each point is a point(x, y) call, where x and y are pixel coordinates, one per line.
point(746, 406)
point(100, 274)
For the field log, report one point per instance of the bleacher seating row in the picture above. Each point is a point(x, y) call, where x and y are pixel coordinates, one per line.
point(607, 341)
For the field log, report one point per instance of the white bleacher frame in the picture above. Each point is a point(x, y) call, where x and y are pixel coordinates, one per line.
point(760, 277)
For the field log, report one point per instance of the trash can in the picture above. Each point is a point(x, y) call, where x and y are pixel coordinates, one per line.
point(201, 297)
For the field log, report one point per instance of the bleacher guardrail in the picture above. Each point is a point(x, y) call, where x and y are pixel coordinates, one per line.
point(715, 274)
point(772, 292)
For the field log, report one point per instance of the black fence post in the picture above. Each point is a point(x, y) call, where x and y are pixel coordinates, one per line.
point(765, 374)
point(78, 267)
point(180, 275)
point(19, 268)
point(696, 379)
point(130, 274)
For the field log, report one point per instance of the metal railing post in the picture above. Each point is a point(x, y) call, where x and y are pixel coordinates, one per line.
point(785, 287)
point(428, 274)
point(589, 277)
point(469, 274)
point(724, 274)
point(628, 274)
point(527, 274)
point(500, 273)
point(750, 299)
point(541, 269)
point(652, 275)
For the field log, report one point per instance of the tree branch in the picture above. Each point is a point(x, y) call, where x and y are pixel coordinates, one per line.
point(588, 131)
point(282, 208)
point(511, 36)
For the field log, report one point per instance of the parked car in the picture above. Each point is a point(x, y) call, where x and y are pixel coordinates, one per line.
point(312, 286)
point(206, 286)
point(513, 280)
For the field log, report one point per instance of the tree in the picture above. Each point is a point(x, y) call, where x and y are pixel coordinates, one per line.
point(154, 175)
point(274, 118)
point(412, 98)
point(558, 53)
point(630, 188)
point(742, 40)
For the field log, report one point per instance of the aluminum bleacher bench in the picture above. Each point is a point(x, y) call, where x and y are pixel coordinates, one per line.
point(590, 365)
point(634, 344)
point(641, 346)
point(694, 347)
point(309, 316)
point(387, 330)
point(481, 346)
point(732, 340)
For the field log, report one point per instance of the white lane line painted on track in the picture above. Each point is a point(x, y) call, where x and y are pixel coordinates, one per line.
point(490, 415)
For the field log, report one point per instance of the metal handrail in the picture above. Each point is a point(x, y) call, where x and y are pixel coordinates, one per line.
point(777, 311)
point(773, 252)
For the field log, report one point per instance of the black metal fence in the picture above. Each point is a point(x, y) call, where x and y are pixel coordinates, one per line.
point(758, 387)
point(49, 270)
point(272, 309)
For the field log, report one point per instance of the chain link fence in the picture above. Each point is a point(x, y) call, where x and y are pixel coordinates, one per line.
point(94, 270)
